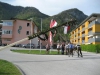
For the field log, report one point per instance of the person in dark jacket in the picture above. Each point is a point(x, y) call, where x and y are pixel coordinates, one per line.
point(79, 50)
point(63, 48)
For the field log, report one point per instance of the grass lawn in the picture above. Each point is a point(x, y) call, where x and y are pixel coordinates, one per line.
point(7, 68)
point(43, 52)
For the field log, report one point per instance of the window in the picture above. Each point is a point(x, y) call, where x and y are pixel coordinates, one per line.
point(7, 23)
point(27, 32)
point(6, 31)
point(28, 24)
point(7, 39)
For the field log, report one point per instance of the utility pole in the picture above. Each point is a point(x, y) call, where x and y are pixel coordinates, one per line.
point(41, 30)
point(31, 31)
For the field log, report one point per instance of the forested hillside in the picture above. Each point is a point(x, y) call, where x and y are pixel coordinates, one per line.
point(8, 11)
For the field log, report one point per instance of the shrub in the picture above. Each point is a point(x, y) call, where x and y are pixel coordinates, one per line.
point(91, 48)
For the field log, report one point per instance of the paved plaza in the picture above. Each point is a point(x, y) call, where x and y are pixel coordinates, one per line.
point(31, 64)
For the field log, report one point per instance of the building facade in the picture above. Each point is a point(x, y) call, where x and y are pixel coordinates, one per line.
point(15, 30)
point(88, 32)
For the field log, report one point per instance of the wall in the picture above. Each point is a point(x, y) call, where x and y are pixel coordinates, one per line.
point(22, 32)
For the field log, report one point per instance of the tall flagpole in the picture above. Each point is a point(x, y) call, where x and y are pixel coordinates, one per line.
point(50, 35)
point(37, 34)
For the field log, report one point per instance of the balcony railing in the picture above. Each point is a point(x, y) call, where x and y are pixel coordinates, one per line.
point(83, 41)
point(92, 23)
point(6, 35)
point(90, 32)
point(93, 40)
point(78, 43)
point(78, 36)
point(78, 31)
point(83, 35)
point(83, 29)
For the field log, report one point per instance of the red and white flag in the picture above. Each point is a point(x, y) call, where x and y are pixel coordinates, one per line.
point(53, 23)
point(66, 28)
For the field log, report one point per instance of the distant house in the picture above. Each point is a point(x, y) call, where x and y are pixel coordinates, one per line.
point(88, 32)
point(16, 29)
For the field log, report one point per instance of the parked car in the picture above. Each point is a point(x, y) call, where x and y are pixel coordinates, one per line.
point(18, 45)
point(28, 45)
point(38, 46)
point(4, 44)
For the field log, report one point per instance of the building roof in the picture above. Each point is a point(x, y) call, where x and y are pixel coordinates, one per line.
point(91, 17)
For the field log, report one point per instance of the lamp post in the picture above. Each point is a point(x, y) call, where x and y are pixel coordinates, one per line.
point(31, 31)
point(41, 30)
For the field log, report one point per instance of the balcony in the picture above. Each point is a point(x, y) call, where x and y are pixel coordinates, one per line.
point(78, 31)
point(93, 40)
point(83, 35)
point(78, 36)
point(78, 43)
point(90, 32)
point(92, 23)
point(83, 29)
point(83, 41)
point(6, 36)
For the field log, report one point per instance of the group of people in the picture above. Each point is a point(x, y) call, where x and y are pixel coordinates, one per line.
point(66, 48)
point(69, 49)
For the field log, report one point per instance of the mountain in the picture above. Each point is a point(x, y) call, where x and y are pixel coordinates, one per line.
point(67, 15)
point(62, 18)
point(8, 11)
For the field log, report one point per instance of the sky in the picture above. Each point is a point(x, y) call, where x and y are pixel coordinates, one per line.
point(54, 7)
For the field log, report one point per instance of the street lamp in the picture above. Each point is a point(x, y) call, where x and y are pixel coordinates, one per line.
point(41, 30)
point(31, 31)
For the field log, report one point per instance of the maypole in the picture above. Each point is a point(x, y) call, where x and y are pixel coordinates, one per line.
point(39, 33)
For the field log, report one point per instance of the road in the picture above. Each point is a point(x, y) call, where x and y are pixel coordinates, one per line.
point(31, 64)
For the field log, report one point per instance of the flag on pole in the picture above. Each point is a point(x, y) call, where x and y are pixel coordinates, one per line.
point(66, 28)
point(53, 23)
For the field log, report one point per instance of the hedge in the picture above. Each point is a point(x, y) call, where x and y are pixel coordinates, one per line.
point(91, 48)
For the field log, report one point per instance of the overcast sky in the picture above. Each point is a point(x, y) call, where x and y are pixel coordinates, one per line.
point(53, 7)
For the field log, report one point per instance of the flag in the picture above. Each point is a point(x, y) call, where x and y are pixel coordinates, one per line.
point(53, 23)
point(66, 28)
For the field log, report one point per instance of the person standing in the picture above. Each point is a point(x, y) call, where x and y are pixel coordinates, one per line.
point(47, 48)
point(71, 47)
point(79, 50)
point(63, 48)
point(58, 47)
point(67, 48)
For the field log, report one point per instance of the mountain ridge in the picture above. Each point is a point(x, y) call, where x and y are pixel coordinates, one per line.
point(9, 11)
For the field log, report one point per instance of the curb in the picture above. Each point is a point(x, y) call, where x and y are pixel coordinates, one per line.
point(22, 72)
